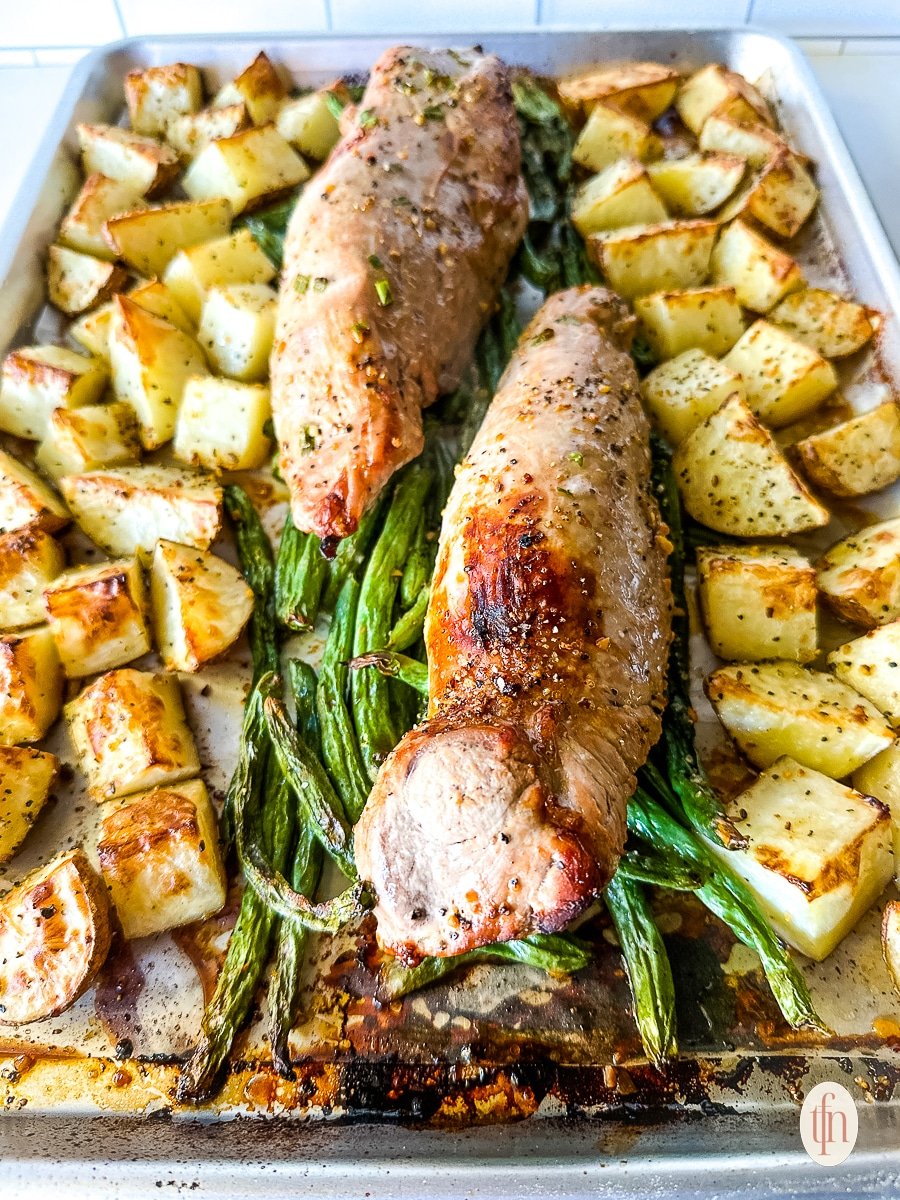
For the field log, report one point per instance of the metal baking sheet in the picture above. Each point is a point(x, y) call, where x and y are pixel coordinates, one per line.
point(499, 1043)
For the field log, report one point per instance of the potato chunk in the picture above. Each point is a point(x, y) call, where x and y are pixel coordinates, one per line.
point(29, 560)
point(751, 141)
point(774, 708)
point(259, 87)
point(780, 196)
point(54, 937)
point(620, 195)
point(704, 318)
point(221, 424)
point(38, 379)
point(234, 259)
point(156, 95)
point(251, 168)
point(130, 733)
point(30, 685)
point(654, 258)
point(99, 435)
point(96, 616)
point(758, 602)
point(880, 777)
point(890, 940)
point(26, 776)
point(148, 238)
point(871, 665)
point(856, 457)
point(643, 89)
point(200, 605)
point(785, 380)
point(99, 199)
point(160, 859)
point(609, 135)
point(733, 478)
point(698, 183)
point(151, 363)
point(309, 125)
point(77, 282)
point(127, 511)
point(714, 90)
point(760, 272)
point(684, 391)
point(237, 327)
point(860, 575)
point(156, 298)
point(26, 501)
point(145, 164)
point(830, 325)
point(819, 854)
point(193, 132)
point(91, 330)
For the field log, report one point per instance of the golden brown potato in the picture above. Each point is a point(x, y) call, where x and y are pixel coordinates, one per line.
point(250, 169)
point(696, 184)
point(619, 195)
point(854, 458)
point(871, 665)
point(193, 132)
point(832, 326)
point(860, 575)
point(751, 141)
point(702, 318)
point(610, 135)
point(237, 328)
point(26, 776)
point(143, 163)
point(760, 272)
point(309, 125)
point(26, 501)
point(642, 89)
point(77, 282)
point(654, 258)
point(781, 196)
point(784, 379)
point(96, 616)
point(83, 439)
point(233, 259)
point(259, 87)
point(890, 940)
point(716, 91)
point(40, 379)
point(30, 685)
point(99, 199)
point(148, 238)
point(222, 424)
point(684, 391)
point(156, 95)
point(29, 560)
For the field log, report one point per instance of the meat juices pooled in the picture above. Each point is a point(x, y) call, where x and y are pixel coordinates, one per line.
point(548, 635)
point(393, 260)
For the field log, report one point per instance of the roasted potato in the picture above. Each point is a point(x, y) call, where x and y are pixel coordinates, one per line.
point(156, 298)
point(127, 510)
point(643, 89)
point(890, 940)
point(159, 856)
point(145, 164)
point(733, 478)
point(760, 272)
point(99, 199)
point(619, 195)
point(200, 605)
point(96, 616)
point(830, 325)
point(258, 87)
point(716, 91)
point(26, 501)
point(784, 379)
point(148, 238)
point(252, 168)
point(309, 125)
point(610, 135)
point(775, 708)
point(157, 95)
point(26, 776)
point(703, 318)
point(751, 141)
point(30, 685)
point(871, 665)
point(854, 458)
point(880, 777)
point(236, 330)
point(221, 424)
point(234, 259)
point(83, 439)
point(758, 602)
point(860, 575)
point(654, 258)
point(819, 854)
point(684, 391)
point(781, 196)
point(77, 282)
point(29, 560)
point(193, 132)
point(38, 379)
point(696, 184)
point(54, 938)
point(130, 733)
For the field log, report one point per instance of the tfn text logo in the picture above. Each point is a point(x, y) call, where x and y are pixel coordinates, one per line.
point(829, 1124)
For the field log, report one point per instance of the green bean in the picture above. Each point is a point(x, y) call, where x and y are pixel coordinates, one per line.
point(542, 269)
point(352, 553)
point(300, 574)
point(269, 228)
point(257, 564)
point(664, 871)
point(417, 569)
point(409, 625)
point(395, 666)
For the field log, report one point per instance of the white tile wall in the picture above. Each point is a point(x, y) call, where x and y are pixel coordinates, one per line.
point(827, 17)
point(221, 16)
point(59, 22)
point(391, 16)
point(597, 14)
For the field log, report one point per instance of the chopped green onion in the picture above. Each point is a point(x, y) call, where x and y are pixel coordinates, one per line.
point(383, 290)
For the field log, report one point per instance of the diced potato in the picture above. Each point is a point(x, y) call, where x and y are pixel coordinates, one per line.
point(860, 575)
point(880, 777)
point(776, 708)
point(26, 776)
point(92, 330)
point(221, 424)
point(193, 132)
point(237, 327)
point(26, 501)
point(147, 238)
point(127, 511)
point(890, 940)
point(716, 91)
point(785, 380)
point(200, 605)
point(233, 259)
point(54, 936)
point(609, 135)
point(159, 855)
point(309, 125)
point(654, 258)
point(251, 168)
point(760, 272)
point(686, 390)
point(695, 185)
point(753, 142)
point(871, 665)
point(30, 685)
point(96, 616)
point(130, 733)
point(156, 95)
point(857, 457)
point(76, 281)
point(781, 196)
point(704, 318)
point(733, 478)
point(99, 199)
point(156, 298)
point(29, 560)
point(100, 435)
point(620, 195)
point(643, 89)
point(819, 854)
point(38, 379)
point(142, 162)
point(758, 602)
point(151, 362)
point(259, 87)
point(820, 319)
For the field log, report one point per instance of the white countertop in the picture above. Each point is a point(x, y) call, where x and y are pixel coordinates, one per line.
point(863, 90)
